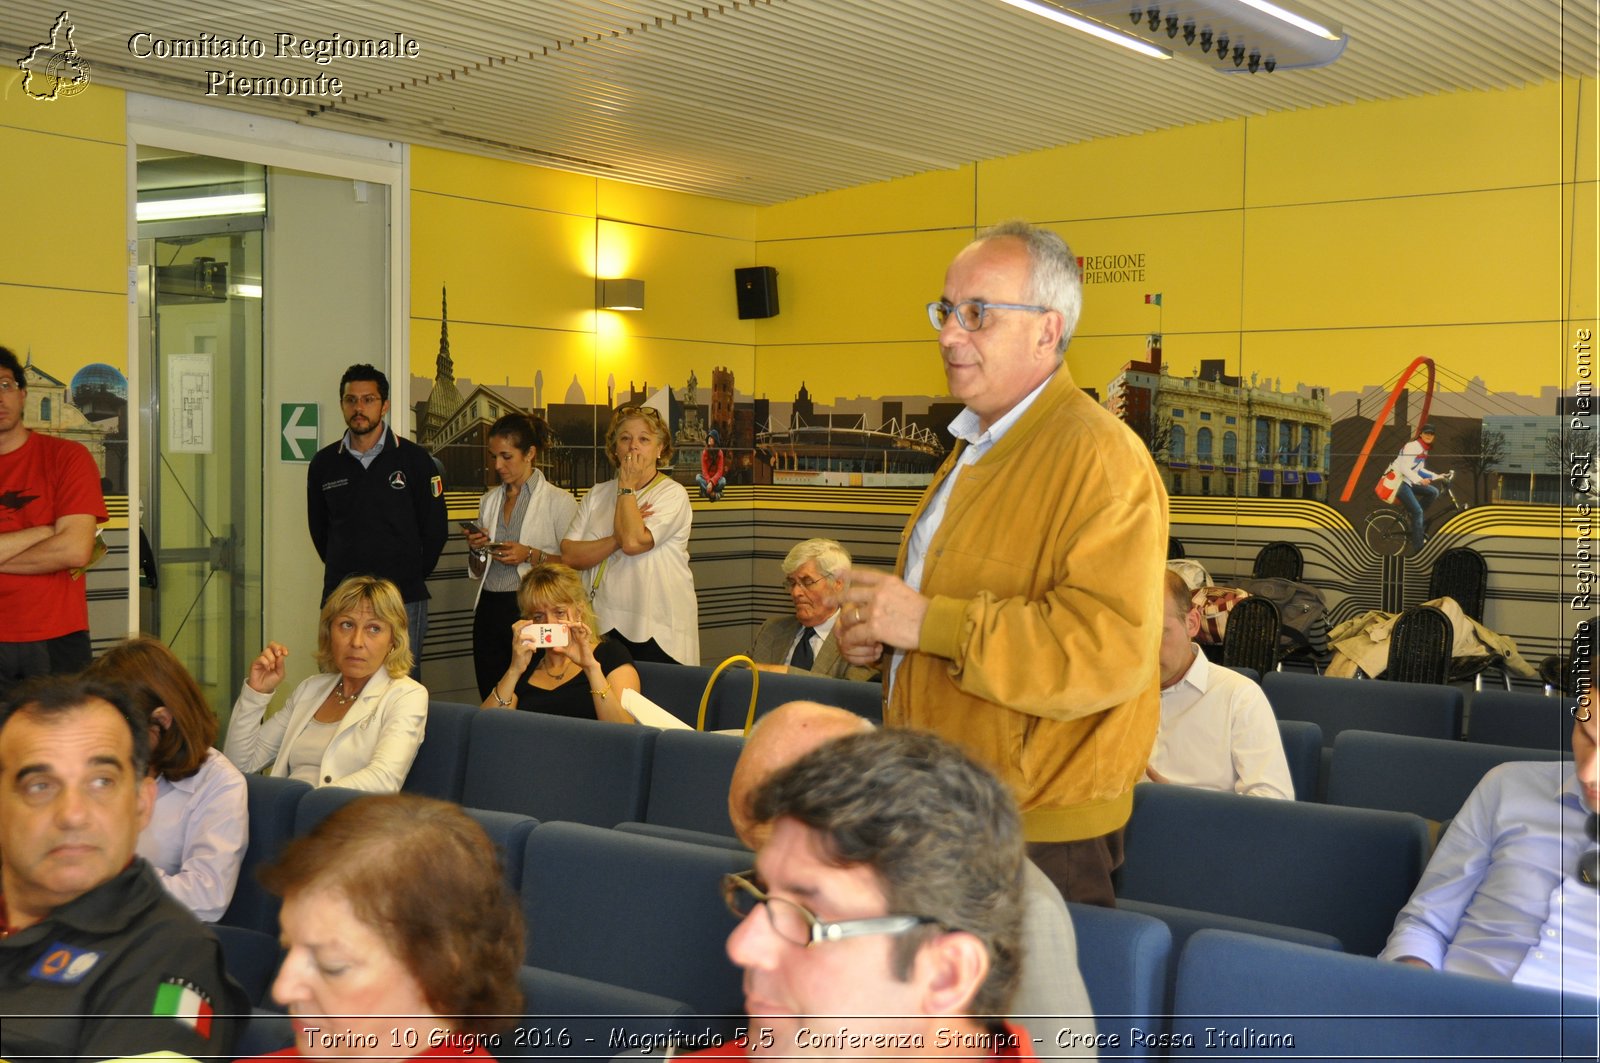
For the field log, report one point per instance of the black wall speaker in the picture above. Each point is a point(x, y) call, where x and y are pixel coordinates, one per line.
point(757, 289)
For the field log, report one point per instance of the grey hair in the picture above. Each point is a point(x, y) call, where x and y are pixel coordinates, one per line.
point(832, 559)
point(1054, 279)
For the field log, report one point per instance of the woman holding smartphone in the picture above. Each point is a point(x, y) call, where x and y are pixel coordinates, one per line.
point(558, 663)
point(519, 523)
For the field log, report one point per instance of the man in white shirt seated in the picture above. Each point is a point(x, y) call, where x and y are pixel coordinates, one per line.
point(805, 644)
point(1217, 731)
point(1510, 892)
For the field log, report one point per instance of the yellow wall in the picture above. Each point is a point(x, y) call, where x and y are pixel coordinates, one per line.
point(63, 276)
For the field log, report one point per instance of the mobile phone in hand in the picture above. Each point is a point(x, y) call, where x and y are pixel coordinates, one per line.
point(470, 528)
point(538, 636)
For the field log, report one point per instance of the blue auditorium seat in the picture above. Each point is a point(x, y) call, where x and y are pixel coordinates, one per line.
point(1428, 776)
point(1125, 959)
point(1423, 709)
point(689, 777)
point(633, 911)
point(271, 804)
point(1340, 871)
point(251, 957)
point(441, 764)
point(684, 834)
point(321, 803)
point(678, 690)
point(564, 1015)
point(1510, 718)
point(554, 768)
point(1236, 993)
point(1302, 748)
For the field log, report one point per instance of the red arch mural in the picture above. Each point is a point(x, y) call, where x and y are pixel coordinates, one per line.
point(1382, 418)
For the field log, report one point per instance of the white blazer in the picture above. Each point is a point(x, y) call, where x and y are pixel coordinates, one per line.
point(372, 750)
point(545, 520)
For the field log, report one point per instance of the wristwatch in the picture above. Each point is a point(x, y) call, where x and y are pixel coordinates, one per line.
point(624, 491)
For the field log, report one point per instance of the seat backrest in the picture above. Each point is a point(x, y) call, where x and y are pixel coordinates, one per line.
point(1513, 718)
point(564, 1015)
point(1419, 646)
point(271, 803)
point(510, 832)
point(1302, 748)
point(554, 768)
point(251, 957)
point(1461, 573)
point(1175, 550)
point(1251, 638)
point(1337, 705)
point(321, 803)
point(1125, 959)
point(730, 702)
point(675, 687)
point(634, 911)
point(1281, 560)
point(1340, 871)
point(1333, 1006)
point(689, 777)
point(684, 834)
point(1429, 776)
point(441, 762)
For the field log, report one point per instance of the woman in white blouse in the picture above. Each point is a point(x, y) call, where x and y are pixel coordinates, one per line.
point(197, 834)
point(357, 724)
point(631, 541)
point(520, 523)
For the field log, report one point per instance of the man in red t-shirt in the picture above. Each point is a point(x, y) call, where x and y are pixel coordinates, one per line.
point(884, 914)
point(50, 502)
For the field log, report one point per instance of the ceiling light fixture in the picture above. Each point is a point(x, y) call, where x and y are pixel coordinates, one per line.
point(1095, 29)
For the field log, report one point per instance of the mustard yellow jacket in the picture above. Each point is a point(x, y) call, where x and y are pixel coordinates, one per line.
point(1038, 654)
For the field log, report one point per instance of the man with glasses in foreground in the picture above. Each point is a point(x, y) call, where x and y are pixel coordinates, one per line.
point(805, 644)
point(1024, 615)
point(1510, 892)
point(884, 913)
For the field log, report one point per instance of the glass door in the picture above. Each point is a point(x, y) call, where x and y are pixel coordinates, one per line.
point(201, 359)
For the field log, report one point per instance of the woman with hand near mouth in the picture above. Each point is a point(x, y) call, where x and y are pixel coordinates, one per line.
point(359, 722)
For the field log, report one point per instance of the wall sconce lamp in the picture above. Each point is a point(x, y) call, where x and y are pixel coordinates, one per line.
point(620, 293)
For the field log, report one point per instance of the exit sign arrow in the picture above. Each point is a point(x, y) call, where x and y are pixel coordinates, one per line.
point(299, 439)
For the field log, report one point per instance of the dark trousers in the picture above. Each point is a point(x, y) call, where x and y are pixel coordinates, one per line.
point(642, 651)
point(63, 655)
point(1081, 870)
point(491, 637)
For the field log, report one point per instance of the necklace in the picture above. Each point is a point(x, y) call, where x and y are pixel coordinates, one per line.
point(557, 672)
point(340, 696)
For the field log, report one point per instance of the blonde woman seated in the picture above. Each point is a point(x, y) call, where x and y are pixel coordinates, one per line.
point(583, 679)
point(357, 724)
point(196, 836)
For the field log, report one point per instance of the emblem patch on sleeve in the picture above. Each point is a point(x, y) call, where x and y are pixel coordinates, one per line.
point(438, 486)
point(182, 1000)
point(63, 964)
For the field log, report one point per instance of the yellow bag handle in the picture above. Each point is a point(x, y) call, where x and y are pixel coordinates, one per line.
point(755, 685)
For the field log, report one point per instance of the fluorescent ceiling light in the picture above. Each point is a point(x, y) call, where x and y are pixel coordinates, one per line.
point(1095, 29)
point(201, 207)
point(1268, 8)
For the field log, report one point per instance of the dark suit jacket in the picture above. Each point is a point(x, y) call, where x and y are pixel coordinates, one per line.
point(772, 647)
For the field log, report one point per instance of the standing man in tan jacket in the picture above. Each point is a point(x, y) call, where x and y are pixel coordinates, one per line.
point(1024, 617)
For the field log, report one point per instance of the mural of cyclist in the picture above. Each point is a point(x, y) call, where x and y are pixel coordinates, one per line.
point(1415, 491)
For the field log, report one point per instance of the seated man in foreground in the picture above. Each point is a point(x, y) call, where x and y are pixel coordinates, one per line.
point(97, 960)
point(1218, 731)
point(805, 643)
point(884, 915)
point(1510, 891)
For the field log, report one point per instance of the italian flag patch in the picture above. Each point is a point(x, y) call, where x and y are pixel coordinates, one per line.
point(183, 1001)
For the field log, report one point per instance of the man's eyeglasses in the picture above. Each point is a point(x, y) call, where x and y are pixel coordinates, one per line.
point(806, 582)
point(9, 385)
point(969, 315)
point(797, 925)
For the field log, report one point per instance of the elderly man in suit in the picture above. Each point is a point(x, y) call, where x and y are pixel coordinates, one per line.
point(805, 644)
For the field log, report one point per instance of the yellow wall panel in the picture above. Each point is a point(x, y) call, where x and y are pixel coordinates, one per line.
point(1520, 357)
point(1580, 153)
point(1118, 177)
point(642, 361)
point(500, 355)
point(1096, 360)
point(65, 329)
point(676, 210)
point(938, 200)
point(851, 289)
point(1582, 240)
point(1472, 257)
point(63, 223)
point(1446, 143)
point(688, 281)
point(848, 370)
point(97, 113)
point(452, 173)
point(503, 263)
point(1191, 259)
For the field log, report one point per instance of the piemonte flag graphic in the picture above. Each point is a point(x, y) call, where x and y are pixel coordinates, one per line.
point(1154, 299)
